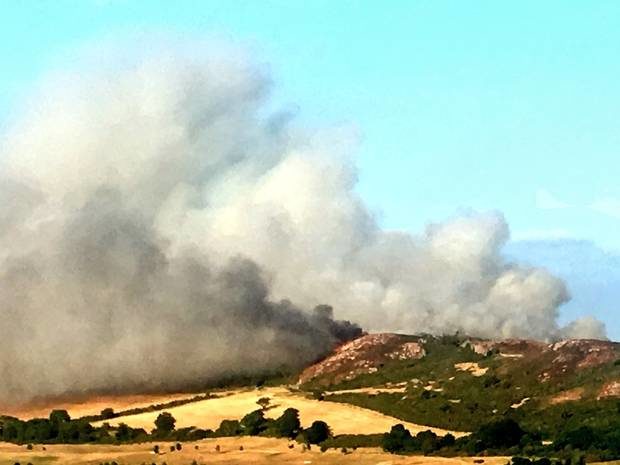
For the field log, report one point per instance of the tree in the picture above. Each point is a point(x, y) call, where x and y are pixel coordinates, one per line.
point(229, 428)
point(428, 441)
point(253, 423)
point(263, 402)
point(397, 439)
point(164, 424)
point(288, 425)
point(123, 432)
point(317, 433)
point(499, 434)
point(59, 416)
point(107, 413)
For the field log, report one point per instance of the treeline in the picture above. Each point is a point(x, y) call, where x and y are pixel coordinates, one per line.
point(109, 413)
point(60, 428)
point(507, 437)
point(501, 437)
point(287, 425)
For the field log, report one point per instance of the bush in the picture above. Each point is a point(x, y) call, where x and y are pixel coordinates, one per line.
point(107, 413)
point(503, 433)
point(229, 428)
point(288, 424)
point(263, 402)
point(317, 433)
point(164, 424)
point(397, 439)
point(253, 423)
point(521, 461)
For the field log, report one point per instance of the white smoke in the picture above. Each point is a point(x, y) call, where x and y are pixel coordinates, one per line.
point(129, 195)
point(586, 327)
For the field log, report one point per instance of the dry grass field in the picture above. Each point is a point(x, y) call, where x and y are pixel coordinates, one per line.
point(256, 451)
point(342, 418)
point(90, 406)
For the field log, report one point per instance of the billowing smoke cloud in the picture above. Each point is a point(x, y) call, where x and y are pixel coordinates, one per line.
point(157, 222)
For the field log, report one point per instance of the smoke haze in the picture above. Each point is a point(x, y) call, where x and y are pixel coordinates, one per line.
point(160, 227)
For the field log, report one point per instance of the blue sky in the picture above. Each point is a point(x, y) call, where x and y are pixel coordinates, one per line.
point(486, 105)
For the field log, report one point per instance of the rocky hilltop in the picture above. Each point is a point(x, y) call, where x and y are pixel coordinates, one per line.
point(368, 354)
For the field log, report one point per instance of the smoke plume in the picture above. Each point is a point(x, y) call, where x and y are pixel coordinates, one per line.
point(158, 222)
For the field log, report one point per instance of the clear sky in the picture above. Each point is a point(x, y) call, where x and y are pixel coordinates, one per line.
point(484, 104)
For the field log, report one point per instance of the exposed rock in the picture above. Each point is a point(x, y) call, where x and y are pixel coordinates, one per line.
point(471, 367)
point(363, 355)
point(567, 396)
point(611, 389)
point(547, 362)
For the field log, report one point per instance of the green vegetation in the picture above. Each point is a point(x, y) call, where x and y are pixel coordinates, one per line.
point(438, 394)
point(60, 428)
point(317, 433)
point(504, 436)
point(507, 437)
point(513, 405)
point(164, 424)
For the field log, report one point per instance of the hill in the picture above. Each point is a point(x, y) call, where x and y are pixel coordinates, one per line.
point(461, 383)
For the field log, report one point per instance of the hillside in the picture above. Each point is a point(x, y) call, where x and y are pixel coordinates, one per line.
point(558, 400)
point(461, 383)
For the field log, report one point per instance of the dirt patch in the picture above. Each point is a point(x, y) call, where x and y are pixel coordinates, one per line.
point(371, 390)
point(567, 396)
point(471, 367)
point(611, 389)
point(521, 403)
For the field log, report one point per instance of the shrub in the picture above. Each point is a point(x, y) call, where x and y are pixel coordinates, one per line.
point(229, 428)
point(107, 413)
point(253, 423)
point(499, 434)
point(288, 425)
point(164, 424)
point(263, 402)
point(317, 433)
point(397, 439)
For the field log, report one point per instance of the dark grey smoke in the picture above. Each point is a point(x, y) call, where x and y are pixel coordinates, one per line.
point(156, 218)
point(109, 311)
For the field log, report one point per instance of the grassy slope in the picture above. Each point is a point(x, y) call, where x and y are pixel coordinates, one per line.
point(461, 401)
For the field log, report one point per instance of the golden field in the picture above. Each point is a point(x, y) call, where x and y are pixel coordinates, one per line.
point(256, 451)
point(341, 418)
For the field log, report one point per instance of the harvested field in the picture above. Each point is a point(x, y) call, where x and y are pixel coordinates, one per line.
point(92, 406)
point(342, 418)
point(256, 451)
